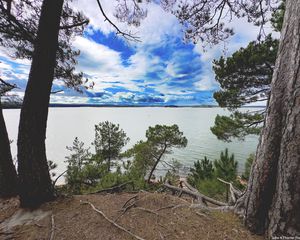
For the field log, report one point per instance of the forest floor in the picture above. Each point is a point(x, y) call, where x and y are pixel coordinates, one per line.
point(145, 215)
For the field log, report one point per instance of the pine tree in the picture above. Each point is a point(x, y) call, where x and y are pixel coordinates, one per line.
point(202, 170)
point(109, 141)
point(226, 166)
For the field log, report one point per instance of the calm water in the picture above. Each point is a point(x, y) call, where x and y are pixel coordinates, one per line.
point(65, 124)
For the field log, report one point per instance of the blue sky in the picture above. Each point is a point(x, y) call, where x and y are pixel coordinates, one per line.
point(160, 70)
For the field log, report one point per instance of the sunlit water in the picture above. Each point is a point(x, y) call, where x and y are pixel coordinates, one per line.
point(64, 124)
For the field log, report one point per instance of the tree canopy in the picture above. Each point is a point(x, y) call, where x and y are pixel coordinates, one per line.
point(162, 139)
point(244, 78)
point(109, 141)
point(18, 30)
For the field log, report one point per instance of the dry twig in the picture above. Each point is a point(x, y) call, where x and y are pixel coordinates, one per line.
point(52, 228)
point(112, 222)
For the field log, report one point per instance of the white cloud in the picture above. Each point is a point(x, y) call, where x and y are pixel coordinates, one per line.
point(152, 30)
point(5, 66)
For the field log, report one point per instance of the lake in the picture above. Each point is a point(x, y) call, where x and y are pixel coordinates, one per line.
point(64, 124)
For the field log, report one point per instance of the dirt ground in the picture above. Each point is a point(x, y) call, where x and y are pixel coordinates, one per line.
point(147, 215)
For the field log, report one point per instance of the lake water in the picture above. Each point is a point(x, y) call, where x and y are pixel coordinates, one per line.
point(64, 124)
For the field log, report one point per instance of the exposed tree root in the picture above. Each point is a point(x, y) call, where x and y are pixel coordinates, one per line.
point(112, 222)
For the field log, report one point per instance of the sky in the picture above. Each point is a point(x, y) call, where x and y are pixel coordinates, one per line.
point(160, 70)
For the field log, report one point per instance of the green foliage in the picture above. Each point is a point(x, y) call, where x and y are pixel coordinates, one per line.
point(147, 154)
point(226, 166)
point(202, 170)
point(237, 125)
point(204, 174)
point(172, 174)
point(109, 141)
point(162, 139)
point(142, 154)
point(212, 188)
point(248, 165)
point(166, 136)
point(277, 17)
point(244, 78)
point(78, 158)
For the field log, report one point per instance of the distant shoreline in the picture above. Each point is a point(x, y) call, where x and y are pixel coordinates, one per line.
point(55, 105)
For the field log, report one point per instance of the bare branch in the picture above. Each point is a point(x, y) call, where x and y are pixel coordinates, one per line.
point(111, 221)
point(127, 36)
point(60, 175)
point(58, 91)
point(196, 195)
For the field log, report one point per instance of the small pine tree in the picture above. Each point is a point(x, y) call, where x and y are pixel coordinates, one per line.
point(203, 169)
point(76, 162)
point(226, 166)
point(109, 141)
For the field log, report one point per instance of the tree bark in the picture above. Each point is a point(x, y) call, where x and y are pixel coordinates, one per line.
point(34, 178)
point(272, 199)
point(8, 174)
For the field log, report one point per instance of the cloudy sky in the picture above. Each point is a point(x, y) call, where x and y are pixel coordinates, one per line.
point(160, 70)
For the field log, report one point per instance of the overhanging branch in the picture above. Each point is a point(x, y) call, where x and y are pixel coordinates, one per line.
point(74, 25)
point(127, 36)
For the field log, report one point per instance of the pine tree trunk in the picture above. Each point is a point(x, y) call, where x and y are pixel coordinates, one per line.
point(34, 178)
point(272, 199)
point(8, 174)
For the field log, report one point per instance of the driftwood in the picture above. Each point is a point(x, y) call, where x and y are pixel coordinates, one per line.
point(194, 194)
point(112, 222)
point(115, 189)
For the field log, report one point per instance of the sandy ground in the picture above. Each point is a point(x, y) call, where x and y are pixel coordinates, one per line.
point(147, 215)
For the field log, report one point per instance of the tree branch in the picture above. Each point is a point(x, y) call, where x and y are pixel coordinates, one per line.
point(111, 221)
point(197, 194)
point(127, 36)
point(74, 25)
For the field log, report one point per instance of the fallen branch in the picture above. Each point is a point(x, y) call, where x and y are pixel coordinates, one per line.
point(134, 197)
point(194, 190)
point(124, 210)
point(234, 193)
point(111, 221)
point(115, 189)
point(226, 208)
point(166, 207)
point(148, 211)
point(193, 194)
point(52, 228)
